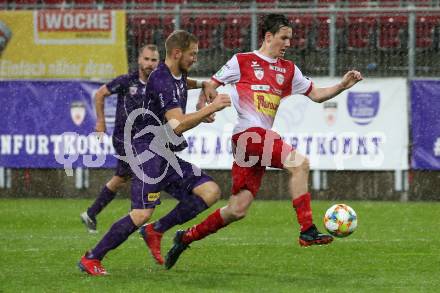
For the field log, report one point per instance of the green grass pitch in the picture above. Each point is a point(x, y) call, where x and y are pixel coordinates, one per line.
point(396, 248)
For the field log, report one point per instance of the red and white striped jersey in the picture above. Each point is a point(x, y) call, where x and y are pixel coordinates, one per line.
point(259, 83)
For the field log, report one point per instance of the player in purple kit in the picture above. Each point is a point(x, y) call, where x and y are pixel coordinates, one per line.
point(165, 102)
point(130, 89)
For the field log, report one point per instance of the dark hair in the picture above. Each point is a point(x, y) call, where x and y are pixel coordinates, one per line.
point(273, 22)
point(149, 47)
point(179, 40)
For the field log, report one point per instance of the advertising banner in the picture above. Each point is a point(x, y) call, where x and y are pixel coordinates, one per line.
point(73, 44)
point(425, 105)
point(50, 124)
point(365, 128)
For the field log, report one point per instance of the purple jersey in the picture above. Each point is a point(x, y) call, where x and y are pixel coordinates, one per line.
point(130, 90)
point(163, 93)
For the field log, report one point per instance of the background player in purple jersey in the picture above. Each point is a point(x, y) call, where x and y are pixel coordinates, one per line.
point(129, 88)
point(165, 100)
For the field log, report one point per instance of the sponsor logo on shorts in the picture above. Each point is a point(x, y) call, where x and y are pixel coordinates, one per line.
point(153, 196)
point(267, 103)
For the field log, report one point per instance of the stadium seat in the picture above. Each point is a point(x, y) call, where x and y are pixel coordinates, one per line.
point(143, 4)
point(113, 4)
point(389, 3)
point(236, 29)
point(24, 4)
point(168, 25)
point(144, 28)
point(390, 29)
point(359, 31)
point(84, 3)
point(425, 31)
point(54, 4)
point(358, 3)
point(302, 28)
point(322, 35)
point(3, 4)
point(204, 27)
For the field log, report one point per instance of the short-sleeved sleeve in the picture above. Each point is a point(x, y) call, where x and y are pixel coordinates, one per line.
point(229, 73)
point(301, 84)
point(118, 84)
point(166, 92)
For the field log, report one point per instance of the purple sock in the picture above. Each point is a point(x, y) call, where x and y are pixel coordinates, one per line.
point(117, 234)
point(103, 199)
point(182, 213)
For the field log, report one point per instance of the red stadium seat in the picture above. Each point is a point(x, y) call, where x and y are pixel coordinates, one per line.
point(203, 27)
point(113, 4)
point(54, 4)
point(358, 3)
point(389, 3)
point(84, 3)
point(236, 29)
point(390, 29)
point(24, 4)
point(425, 31)
point(3, 4)
point(143, 4)
point(360, 30)
point(144, 28)
point(168, 25)
point(301, 29)
point(322, 36)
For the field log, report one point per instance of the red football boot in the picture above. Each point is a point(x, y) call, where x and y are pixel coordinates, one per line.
point(152, 238)
point(91, 266)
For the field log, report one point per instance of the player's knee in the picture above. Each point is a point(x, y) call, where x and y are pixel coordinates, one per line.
point(140, 217)
point(302, 165)
point(213, 194)
point(210, 193)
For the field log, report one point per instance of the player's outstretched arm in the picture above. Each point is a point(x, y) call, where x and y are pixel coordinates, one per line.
point(182, 122)
point(100, 96)
point(206, 96)
point(320, 95)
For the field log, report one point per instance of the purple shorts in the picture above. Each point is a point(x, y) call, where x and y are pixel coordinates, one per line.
point(160, 175)
point(123, 169)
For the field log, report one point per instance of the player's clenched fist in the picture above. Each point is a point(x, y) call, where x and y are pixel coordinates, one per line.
point(351, 78)
point(221, 101)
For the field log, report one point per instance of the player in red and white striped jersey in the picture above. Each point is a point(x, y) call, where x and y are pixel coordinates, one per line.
point(260, 80)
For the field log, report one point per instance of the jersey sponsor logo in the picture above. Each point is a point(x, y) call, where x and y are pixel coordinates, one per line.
point(277, 69)
point(279, 78)
point(153, 196)
point(266, 103)
point(330, 111)
point(260, 87)
point(363, 107)
point(133, 90)
point(77, 112)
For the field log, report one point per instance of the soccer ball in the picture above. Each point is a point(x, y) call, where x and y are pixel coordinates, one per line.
point(340, 220)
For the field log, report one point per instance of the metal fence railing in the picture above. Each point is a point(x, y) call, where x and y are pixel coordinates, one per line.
point(402, 41)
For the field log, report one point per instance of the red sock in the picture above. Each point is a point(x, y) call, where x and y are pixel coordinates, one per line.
point(211, 224)
point(303, 211)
